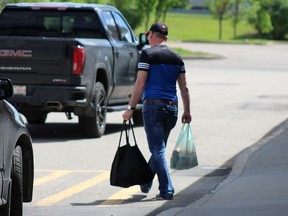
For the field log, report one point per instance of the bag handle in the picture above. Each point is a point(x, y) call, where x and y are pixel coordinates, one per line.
point(122, 128)
point(187, 133)
point(131, 126)
point(127, 127)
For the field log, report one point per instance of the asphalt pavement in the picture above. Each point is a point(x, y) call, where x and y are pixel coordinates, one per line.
point(256, 186)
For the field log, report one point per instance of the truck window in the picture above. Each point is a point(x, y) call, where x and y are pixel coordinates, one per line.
point(124, 30)
point(51, 24)
point(110, 22)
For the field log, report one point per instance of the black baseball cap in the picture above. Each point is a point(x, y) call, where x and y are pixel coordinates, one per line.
point(158, 27)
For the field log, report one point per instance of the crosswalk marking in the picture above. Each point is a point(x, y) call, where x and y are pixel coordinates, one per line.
point(54, 175)
point(117, 198)
point(73, 190)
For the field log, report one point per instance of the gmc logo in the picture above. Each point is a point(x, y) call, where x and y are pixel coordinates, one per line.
point(16, 53)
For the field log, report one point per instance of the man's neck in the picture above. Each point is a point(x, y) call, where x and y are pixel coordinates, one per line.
point(162, 42)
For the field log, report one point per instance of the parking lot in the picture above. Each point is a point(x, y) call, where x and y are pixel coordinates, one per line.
point(235, 101)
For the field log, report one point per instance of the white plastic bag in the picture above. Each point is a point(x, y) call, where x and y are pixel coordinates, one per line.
point(184, 154)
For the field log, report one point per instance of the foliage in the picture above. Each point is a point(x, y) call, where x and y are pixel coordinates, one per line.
point(162, 7)
point(147, 6)
point(269, 17)
point(236, 14)
point(259, 17)
point(218, 9)
point(130, 11)
point(279, 18)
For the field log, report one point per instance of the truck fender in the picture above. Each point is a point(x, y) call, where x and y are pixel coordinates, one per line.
point(102, 75)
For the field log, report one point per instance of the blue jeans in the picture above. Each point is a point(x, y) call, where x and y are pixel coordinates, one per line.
point(159, 119)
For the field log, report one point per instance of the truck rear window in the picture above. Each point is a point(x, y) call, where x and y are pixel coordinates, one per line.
point(49, 23)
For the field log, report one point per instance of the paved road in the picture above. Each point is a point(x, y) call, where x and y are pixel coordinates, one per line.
point(235, 101)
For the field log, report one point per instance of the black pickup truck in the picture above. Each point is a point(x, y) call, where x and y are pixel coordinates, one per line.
point(70, 58)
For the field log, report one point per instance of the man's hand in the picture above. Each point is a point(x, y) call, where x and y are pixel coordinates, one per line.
point(127, 115)
point(186, 118)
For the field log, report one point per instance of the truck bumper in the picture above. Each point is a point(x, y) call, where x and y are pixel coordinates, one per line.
point(50, 98)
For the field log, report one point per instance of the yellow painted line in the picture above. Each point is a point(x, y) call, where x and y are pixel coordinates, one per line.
point(73, 190)
point(121, 196)
point(54, 175)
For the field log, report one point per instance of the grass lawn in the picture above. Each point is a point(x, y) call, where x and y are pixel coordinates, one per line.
point(191, 27)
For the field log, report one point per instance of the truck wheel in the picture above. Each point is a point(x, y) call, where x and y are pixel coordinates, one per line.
point(17, 183)
point(137, 117)
point(36, 117)
point(95, 125)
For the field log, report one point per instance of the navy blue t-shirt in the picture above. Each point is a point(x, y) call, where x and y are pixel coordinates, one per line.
point(163, 66)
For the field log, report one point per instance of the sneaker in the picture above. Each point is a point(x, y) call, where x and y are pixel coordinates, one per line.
point(168, 197)
point(144, 189)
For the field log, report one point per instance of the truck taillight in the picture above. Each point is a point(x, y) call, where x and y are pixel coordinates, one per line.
point(78, 60)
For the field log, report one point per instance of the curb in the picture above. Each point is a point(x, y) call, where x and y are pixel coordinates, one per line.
point(206, 57)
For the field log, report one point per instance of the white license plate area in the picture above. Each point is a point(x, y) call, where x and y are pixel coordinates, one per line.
point(19, 90)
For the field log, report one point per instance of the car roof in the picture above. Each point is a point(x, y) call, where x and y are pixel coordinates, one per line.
point(60, 5)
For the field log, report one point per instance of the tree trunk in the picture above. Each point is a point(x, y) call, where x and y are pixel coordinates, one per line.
point(220, 28)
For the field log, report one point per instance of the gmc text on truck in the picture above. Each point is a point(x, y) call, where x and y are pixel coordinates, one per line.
point(70, 58)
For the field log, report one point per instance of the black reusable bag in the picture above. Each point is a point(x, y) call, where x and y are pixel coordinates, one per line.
point(129, 166)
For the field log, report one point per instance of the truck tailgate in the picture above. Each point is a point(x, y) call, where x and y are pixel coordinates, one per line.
point(36, 60)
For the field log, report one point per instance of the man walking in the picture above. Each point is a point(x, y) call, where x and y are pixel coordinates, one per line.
point(158, 71)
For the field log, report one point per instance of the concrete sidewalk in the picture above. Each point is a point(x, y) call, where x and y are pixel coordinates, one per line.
point(257, 185)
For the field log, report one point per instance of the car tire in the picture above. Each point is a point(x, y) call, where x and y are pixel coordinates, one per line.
point(17, 183)
point(5, 210)
point(36, 117)
point(94, 126)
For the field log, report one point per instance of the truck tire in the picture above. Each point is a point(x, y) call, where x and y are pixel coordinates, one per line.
point(36, 117)
point(17, 183)
point(138, 118)
point(94, 126)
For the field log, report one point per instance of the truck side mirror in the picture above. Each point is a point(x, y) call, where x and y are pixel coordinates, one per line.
point(142, 40)
point(6, 88)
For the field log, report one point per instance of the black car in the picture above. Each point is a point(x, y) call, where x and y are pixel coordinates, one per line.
point(16, 157)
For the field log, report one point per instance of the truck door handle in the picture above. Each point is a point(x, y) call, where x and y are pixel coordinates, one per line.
point(117, 53)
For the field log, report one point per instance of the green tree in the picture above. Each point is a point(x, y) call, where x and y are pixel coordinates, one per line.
point(219, 8)
point(4, 2)
point(146, 7)
point(279, 18)
point(162, 7)
point(259, 17)
point(236, 14)
point(130, 10)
